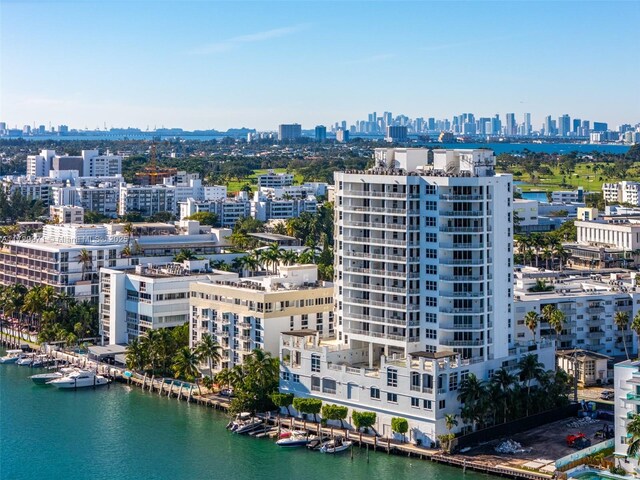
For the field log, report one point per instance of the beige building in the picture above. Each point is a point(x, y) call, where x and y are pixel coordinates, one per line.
point(251, 313)
point(591, 367)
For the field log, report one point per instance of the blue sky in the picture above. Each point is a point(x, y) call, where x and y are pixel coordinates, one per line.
point(209, 64)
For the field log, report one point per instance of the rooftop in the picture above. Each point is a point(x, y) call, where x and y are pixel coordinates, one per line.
point(582, 354)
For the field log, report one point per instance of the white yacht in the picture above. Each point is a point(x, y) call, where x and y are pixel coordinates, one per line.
point(45, 378)
point(12, 356)
point(244, 423)
point(79, 379)
point(336, 445)
point(26, 360)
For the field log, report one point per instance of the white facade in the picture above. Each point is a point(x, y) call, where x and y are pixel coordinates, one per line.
point(248, 313)
point(589, 303)
point(275, 180)
point(147, 199)
point(215, 193)
point(623, 234)
point(622, 192)
point(627, 405)
point(423, 289)
point(92, 163)
point(567, 196)
point(527, 211)
point(228, 211)
point(135, 301)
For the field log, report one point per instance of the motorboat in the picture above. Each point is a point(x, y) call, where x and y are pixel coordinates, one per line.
point(296, 438)
point(41, 361)
point(315, 443)
point(244, 423)
point(12, 356)
point(45, 378)
point(27, 360)
point(79, 379)
point(336, 445)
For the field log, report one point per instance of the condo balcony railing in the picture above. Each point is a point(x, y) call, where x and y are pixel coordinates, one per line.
point(466, 246)
point(462, 326)
point(463, 213)
point(378, 288)
point(389, 211)
point(368, 194)
point(466, 294)
point(370, 333)
point(465, 278)
point(463, 343)
point(385, 226)
point(455, 229)
point(463, 310)
point(377, 241)
point(376, 256)
point(456, 197)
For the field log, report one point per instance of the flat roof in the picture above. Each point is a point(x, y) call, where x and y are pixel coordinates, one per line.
point(107, 350)
point(433, 355)
point(272, 236)
point(301, 333)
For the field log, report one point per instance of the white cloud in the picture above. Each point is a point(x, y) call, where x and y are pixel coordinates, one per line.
point(235, 42)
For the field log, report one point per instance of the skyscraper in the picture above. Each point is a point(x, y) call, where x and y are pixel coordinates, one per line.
point(548, 126)
point(564, 125)
point(396, 134)
point(511, 127)
point(423, 289)
point(321, 133)
point(527, 124)
point(289, 131)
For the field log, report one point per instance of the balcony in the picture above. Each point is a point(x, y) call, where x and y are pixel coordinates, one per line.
point(595, 310)
point(375, 241)
point(457, 198)
point(596, 334)
point(369, 333)
point(378, 288)
point(465, 294)
point(459, 213)
point(446, 228)
point(384, 273)
point(462, 326)
point(384, 226)
point(389, 211)
point(369, 194)
point(464, 278)
point(463, 310)
point(463, 261)
point(463, 343)
point(376, 256)
point(466, 246)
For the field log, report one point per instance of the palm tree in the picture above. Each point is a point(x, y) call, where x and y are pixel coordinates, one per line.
point(557, 321)
point(503, 383)
point(227, 377)
point(472, 393)
point(547, 256)
point(633, 436)
point(33, 303)
point(289, 257)
point(272, 255)
point(185, 365)
point(183, 255)
point(208, 349)
point(621, 319)
point(530, 369)
point(136, 355)
point(85, 258)
point(531, 320)
point(128, 229)
point(635, 324)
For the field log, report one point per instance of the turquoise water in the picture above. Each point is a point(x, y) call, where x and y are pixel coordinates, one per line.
point(539, 196)
point(121, 433)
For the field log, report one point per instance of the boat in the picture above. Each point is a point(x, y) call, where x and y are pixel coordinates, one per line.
point(296, 438)
point(45, 378)
point(79, 379)
point(40, 361)
point(244, 423)
point(316, 443)
point(12, 356)
point(26, 360)
point(336, 445)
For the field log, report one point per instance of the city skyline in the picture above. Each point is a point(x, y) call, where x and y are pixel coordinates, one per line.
point(258, 65)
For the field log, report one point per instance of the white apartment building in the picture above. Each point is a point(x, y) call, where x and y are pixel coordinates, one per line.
point(423, 287)
point(626, 406)
point(134, 301)
point(35, 188)
point(147, 199)
point(89, 164)
point(589, 303)
point(526, 210)
point(228, 211)
point(275, 180)
point(622, 192)
point(215, 193)
point(55, 259)
point(66, 214)
point(264, 207)
point(622, 233)
point(568, 196)
point(249, 313)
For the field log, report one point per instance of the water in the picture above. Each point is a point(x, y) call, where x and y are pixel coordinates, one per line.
point(539, 196)
point(119, 432)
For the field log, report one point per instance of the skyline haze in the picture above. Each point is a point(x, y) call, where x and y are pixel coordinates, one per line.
point(201, 65)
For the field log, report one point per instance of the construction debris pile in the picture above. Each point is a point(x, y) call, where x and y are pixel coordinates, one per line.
point(510, 446)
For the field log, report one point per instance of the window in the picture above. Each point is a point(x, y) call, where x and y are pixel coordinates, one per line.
point(453, 382)
point(431, 205)
point(442, 404)
point(431, 317)
point(430, 221)
point(285, 376)
point(315, 363)
point(415, 402)
point(375, 393)
point(431, 301)
point(392, 397)
point(431, 237)
point(426, 404)
point(392, 377)
point(430, 253)
point(431, 285)
point(431, 190)
point(431, 269)
point(296, 378)
point(431, 333)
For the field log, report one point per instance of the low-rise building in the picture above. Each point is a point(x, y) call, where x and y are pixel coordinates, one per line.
point(66, 214)
point(275, 180)
point(250, 313)
point(627, 406)
point(589, 368)
point(622, 192)
point(136, 300)
point(589, 303)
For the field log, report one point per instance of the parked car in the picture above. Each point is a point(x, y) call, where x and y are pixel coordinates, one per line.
point(607, 395)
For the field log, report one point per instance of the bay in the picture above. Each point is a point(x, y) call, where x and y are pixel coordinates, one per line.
point(121, 433)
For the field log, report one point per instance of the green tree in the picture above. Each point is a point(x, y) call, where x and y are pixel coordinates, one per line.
point(473, 395)
point(633, 436)
point(183, 255)
point(205, 218)
point(136, 355)
point(335, 412)
point(621, 319)
point(400, 425)
point(363, 420)
point(308, 406)
point(502, 384)
point(85, 259)
point(185, 364)
point(530, 369)
point(531, 320)
point(282, 400)
point(208, 350)
point(635, 323)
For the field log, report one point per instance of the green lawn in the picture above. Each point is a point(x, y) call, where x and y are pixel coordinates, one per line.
point(235, 186)
point(582, 177)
